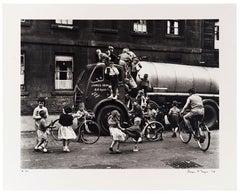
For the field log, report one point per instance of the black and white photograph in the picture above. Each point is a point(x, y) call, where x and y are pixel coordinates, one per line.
point(94, 92)
point(119, 95)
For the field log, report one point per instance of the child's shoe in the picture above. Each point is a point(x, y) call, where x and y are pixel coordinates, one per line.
point(139, 140)
point(135, 149)
point(174, 135)
point(64, 148)
point(110, 149)
point(45, 150)
point(67, 149)
point(118, 151)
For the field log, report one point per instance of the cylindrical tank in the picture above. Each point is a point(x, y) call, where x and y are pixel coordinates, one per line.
point(177, 78)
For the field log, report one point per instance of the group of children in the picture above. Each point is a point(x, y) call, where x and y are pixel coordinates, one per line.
point(119, 134)
point(127, 59)
point(136, 131)
point(65, 132)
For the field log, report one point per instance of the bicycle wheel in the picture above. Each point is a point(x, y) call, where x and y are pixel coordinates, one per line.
point(204, 141)
point(89, 132)
point(153, 131)
point(54, 130)
point(184, 133)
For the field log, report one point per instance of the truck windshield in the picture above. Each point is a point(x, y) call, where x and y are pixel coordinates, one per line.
point(98, 74)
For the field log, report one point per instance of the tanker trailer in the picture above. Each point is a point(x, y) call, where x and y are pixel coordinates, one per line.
point(172, 82)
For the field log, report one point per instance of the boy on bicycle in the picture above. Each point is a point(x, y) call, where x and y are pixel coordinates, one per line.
point(195, 102)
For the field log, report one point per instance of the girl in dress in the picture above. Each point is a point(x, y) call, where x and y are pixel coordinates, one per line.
point(66, 132)
point(115, 130)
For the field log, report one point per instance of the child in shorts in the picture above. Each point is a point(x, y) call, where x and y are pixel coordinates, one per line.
point(174, 113)
point(36, 116)
point(42, 132)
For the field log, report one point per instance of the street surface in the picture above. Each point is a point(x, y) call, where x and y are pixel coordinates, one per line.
point(165, 154)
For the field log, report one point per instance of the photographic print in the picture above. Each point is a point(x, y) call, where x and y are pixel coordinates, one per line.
point(124, 83)
point(102, 99)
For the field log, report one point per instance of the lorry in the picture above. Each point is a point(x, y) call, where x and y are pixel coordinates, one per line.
point(169, 82)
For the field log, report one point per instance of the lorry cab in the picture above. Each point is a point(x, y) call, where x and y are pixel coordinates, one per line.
point(93, 85)
point(93, 89)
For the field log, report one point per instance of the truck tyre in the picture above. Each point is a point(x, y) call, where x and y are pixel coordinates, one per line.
point(211, 116)
point(103, 114)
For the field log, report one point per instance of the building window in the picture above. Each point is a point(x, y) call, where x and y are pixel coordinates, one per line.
point(173, 27)
point(216, 35)
point(22, 71)
point(63, 72)
point(64, 21)
point(140, 26)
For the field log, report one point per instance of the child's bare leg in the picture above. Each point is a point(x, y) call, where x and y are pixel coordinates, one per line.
point(118, 145)
point(111, 146)
point(176, 129)
point(113, 143)
point(40, 142)
point(64, 144)
point(67, 142)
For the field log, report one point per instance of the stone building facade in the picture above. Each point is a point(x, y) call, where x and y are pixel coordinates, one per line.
point(54, 52)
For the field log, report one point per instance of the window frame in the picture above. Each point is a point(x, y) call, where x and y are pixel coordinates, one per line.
point(57, 86)
point(66, 26)
point(23, 72)
point(216, 35)
point(178, 25)
point(139, 24)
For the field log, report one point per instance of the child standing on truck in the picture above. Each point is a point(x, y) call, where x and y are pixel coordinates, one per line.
point(42, 132)
point(66, 133)
point(113, 73)
point(174, 113)
point(36, 116)
point(115, 131)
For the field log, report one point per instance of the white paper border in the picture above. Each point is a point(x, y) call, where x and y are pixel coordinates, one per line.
point(14, 178)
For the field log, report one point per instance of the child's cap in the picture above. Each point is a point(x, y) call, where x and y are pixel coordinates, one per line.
point(67, 109)
point(42, 113)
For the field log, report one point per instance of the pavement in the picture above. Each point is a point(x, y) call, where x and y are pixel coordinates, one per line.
point(170, 153)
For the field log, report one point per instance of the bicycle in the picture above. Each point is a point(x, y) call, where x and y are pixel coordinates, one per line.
point(152, 130)
point(186, 134)
point(88, 131)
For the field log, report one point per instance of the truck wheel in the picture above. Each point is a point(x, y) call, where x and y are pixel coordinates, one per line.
point(211, 116)
point(103, 115)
